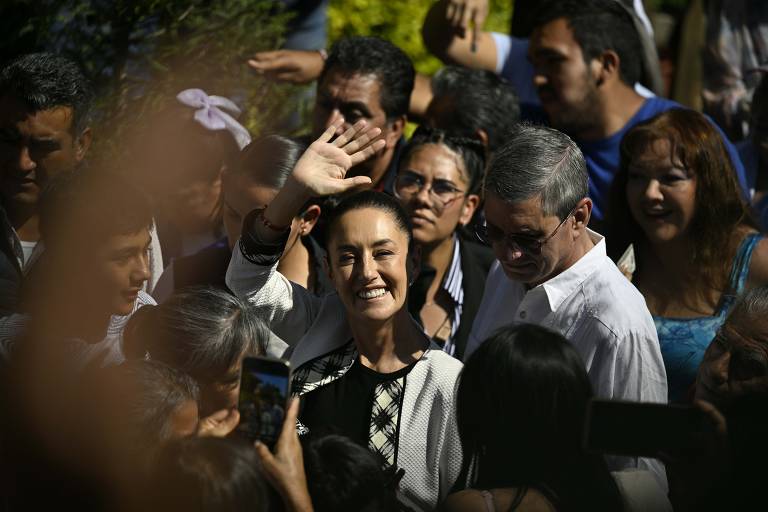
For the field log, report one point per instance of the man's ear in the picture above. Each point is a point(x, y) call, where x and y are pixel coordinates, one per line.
point(468, 210)
point(397, 127)
point(309, 219)
point(483, 136)
point(609, 67)
point(582, 213)
point(82, 143)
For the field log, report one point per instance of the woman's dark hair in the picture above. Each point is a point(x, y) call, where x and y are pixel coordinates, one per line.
point(148, 394)
point(369, 199)
point(521, 402)
point(719, 205)
point(269, 160)
point(342, 475)
point(208, 474)
point(470, 151)
point(198, 330)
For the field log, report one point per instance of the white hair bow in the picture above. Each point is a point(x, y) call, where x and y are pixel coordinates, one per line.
point(209, 113)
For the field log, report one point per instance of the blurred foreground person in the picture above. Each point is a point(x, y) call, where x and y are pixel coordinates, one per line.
point(45, 102)
point(363, 367)
point(521, 406)
point(695, 244)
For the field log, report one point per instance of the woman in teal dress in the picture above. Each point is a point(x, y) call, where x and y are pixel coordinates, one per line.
point(677, 201)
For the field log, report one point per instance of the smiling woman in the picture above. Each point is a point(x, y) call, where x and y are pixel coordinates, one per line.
point(363, 366)
point(696, 246)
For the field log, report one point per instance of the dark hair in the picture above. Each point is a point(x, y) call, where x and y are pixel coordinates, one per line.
point(44, 81)
point(720, 207)
point(207, 474)
point(599, 25)
point(373, 56)
point(369, 199)
point(342, 475)
point(198, 330)
point(87, 204)
point(471, 152)
point(478, 100)
point(528, 383)
point(148, 394)
point(539, 162)
point(269, 160)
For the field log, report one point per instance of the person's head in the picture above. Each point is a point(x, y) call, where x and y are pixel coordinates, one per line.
point(208, 474)
point(95, 226)
point(154, 404)
point(204, 332)
point(759, 121)
point(581, 51)
point(536, 204)
point(739, 352)
point(527, 383)
point(45, 101)
point(342, 475)
point(473, 103)
point(438, 183)
point(253, 182)
point(675, 182)
point(180, 160)
point(368, 236)
point(366, 78)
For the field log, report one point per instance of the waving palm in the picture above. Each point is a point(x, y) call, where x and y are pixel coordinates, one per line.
point(323, 167)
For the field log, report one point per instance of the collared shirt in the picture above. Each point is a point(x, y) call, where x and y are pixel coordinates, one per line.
point(602, 314)
point(452, 284)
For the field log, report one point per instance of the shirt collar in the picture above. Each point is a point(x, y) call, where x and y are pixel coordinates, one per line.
point(563, 284)
point(454, 277)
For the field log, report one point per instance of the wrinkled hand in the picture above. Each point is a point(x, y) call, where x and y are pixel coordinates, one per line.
point(285, 467)
point(322, 168)
point(219, 424)
point(295, 66)
point(461, 13)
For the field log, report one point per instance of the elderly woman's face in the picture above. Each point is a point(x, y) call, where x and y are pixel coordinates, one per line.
point(661, 193)
point(738, 354)
point(368, 258)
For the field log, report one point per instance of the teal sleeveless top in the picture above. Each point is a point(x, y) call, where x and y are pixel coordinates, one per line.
point(684, 340)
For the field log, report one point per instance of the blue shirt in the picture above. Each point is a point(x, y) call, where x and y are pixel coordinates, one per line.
point(603, 155)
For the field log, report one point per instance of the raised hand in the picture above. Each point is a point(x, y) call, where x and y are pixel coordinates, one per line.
point(294, 66)
point(322, 169)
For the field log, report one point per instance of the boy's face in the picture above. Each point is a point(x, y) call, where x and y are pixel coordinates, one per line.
point(119, 268)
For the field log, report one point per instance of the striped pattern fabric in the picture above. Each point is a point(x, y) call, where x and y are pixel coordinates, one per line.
point(453, 283)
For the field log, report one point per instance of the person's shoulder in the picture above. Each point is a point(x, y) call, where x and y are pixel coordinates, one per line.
point(758, 266)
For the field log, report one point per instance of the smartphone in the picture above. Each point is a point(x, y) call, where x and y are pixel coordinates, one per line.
point(265, 387)
point(639, 429)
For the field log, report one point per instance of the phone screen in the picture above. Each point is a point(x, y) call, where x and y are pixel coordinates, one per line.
point(264, 391)
point(639, 429)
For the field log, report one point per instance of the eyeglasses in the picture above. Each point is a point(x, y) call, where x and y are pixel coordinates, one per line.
point(441, 192)
point(490, 234)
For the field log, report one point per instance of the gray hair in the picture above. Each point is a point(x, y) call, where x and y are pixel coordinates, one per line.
point(539, 162)
point(751, 307)
point(198, 330)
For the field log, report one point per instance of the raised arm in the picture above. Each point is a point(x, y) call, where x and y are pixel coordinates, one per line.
point(448, 35)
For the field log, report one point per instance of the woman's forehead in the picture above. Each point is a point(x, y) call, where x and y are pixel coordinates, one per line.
point(367, 226)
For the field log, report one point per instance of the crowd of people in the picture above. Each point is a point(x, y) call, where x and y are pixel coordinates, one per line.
point(451, 304)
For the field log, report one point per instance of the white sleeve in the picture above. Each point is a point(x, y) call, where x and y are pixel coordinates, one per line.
point(286, 308)
point(503, 48)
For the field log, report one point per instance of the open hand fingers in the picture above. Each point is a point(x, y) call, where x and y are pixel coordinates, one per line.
point(332, 129)
point(350, 133)
point(361, 139)
point(367, 152)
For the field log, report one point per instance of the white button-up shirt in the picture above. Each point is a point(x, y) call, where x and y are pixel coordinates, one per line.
point(600, 312)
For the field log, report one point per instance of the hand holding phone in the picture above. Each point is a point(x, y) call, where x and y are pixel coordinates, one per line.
point(265, 385)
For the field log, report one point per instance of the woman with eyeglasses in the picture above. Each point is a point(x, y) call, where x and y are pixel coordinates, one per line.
point(437, 184)
point(696, 247)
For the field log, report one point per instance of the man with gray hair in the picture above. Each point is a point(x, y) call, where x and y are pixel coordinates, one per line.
point(553, 271)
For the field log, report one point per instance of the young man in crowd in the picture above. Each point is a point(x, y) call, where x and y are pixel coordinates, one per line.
point(553, 271)
point(586, 62)
point(372, 79)
point(44, 105)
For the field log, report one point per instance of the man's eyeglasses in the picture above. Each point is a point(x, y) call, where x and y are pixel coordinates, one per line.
point(441, 192)
point(490, 234)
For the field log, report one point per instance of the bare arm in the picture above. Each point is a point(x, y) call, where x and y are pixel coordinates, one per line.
point(453, 42)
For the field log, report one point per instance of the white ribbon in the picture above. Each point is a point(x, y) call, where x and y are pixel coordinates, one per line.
point(209, 113)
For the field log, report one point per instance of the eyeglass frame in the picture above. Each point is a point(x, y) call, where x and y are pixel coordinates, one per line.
point(507, 238)
point(437, 200)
